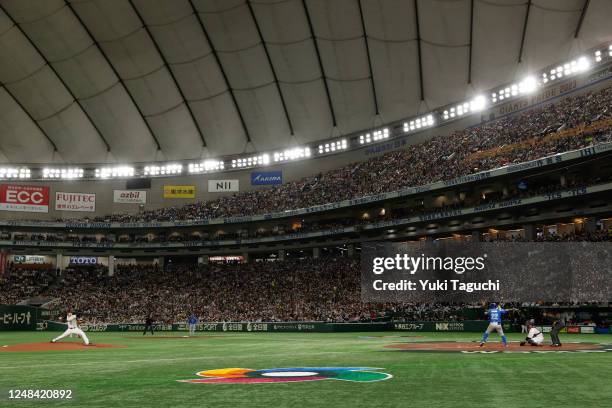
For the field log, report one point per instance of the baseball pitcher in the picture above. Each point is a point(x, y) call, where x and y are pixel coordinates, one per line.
point(73, 328)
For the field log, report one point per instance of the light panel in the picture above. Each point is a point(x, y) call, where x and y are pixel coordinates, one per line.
point(292, 154)
point(164, 170)
point(206, 166)
point(63, 173)
point(252, 161)
point(114, 172)
point(333, 146)
point(15, 173)
point(375, 136)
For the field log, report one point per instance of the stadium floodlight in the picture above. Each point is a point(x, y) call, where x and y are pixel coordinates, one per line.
point(259, 160)
point(365, 139)
point(65, 173)
point(164, 170)
point(15, 173)
point(583, 64)
point(380, 134)
point(478, 103)
point(206, 166)
point(292, 154)
point(610, 51)
point(597, 56)
point(114, 172)
point(422, 122)
point(333, 146)
point(528, 85)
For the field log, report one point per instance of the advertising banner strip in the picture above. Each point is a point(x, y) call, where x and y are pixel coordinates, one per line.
point(179, 191)
point(23, 198)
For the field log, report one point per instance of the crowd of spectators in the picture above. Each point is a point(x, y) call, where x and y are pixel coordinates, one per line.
point(307, 289)
point(523, 137)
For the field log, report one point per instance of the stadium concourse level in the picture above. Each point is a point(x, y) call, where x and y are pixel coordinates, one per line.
point(305, 289)
point(304, 226)
point(522, 137)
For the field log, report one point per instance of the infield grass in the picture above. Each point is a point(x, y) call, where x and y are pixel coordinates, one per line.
point(144, 373)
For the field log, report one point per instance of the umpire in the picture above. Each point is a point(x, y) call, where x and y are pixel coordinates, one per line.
point(554, 332)
point(148, 325)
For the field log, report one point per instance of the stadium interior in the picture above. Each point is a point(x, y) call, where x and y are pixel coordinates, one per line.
point(232, 160)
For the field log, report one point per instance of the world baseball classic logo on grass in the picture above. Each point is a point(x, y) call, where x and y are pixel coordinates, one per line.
point(286, 375)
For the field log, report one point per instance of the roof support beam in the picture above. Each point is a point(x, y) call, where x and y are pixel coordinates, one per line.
point(585, 7)
point(367, 46)
point(418, 40)
point(8, 91)
point(265, 47)
point(218, 60)
point(163, 57)
point(110, 64)
point(520, 58)
point(72, 95)
point(323, 75)
point(471, 41)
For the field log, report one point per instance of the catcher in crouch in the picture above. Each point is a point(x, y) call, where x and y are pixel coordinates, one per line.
point(534, 337)
point(73, 328)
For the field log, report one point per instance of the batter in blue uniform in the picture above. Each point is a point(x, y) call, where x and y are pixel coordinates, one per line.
point(495, 324)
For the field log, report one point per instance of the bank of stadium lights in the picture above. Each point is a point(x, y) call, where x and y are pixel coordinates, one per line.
point(206, 166)
point(259, 160)
point(575, 66)
point(114, 172)
point(165, 170)
point(375, 136)
point(599, 54)
point(292, 154)
point(333, 146)
point(419, 123)
point(526, 86)
point(475, 105)
point(64, 174)
point(15, 173)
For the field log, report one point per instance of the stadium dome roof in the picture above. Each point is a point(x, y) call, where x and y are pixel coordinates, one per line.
point(92, 81)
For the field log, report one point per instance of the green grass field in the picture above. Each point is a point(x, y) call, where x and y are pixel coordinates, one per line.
point(144, 373)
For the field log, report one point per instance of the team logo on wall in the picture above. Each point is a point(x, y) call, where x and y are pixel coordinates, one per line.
point(286, 375)
point(75, 202)
point(17, 197)
point(222, 186)
point(263, 178)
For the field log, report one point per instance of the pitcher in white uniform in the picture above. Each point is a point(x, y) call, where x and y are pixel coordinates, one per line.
point(73, 328)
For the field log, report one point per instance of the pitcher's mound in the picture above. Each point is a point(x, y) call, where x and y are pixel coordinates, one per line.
point(59, 346)
point(473, 347)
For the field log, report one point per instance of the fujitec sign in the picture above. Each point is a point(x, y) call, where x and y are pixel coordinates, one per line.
point(75, 202)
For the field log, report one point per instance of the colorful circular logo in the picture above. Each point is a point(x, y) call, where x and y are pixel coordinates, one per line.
point(285, 375)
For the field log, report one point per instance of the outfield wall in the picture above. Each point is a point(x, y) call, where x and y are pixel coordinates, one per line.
point(13, 318)
point(466, 326)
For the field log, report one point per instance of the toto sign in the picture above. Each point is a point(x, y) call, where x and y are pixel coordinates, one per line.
point(14, 197)
point(83, 260)
point(75, 202)
point(263, 178)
